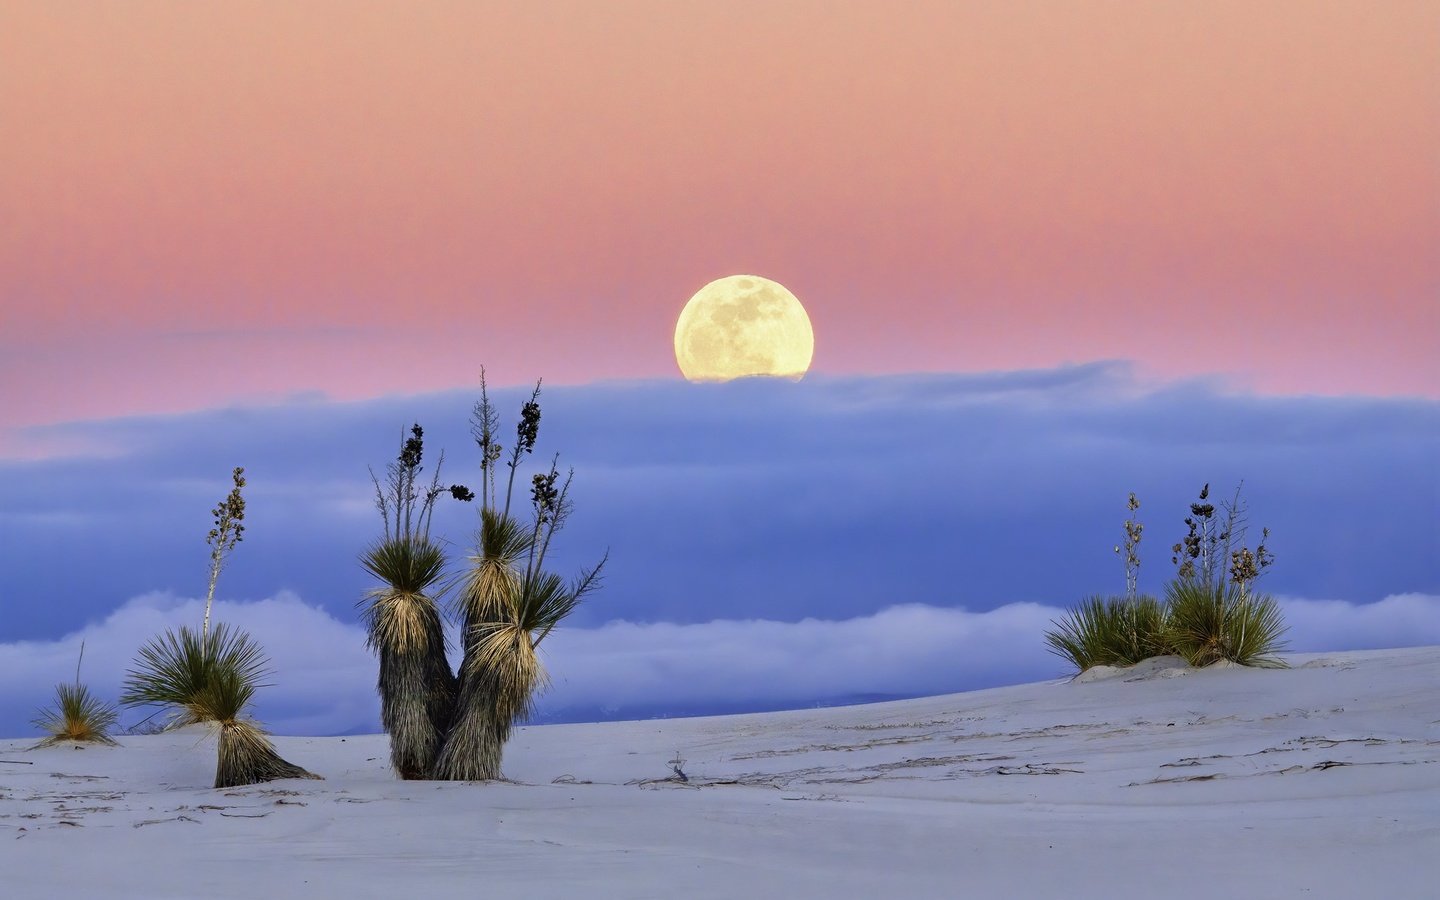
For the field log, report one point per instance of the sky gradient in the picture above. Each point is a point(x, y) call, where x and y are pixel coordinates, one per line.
point(210, 203)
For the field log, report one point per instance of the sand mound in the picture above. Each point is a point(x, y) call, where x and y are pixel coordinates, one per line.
point(1154, 667)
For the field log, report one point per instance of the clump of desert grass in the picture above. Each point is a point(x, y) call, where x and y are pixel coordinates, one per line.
point(1111, 631)
point(1210, 612)
point(1208, 624)
point(454, 726)
point(77, 716)
point(211, 679)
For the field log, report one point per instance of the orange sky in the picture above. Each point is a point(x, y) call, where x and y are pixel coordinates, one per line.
point(208, 202)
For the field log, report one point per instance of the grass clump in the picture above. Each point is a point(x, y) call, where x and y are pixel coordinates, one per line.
point(77, 715)
point(1210, 613)
point(1208, 624)
point(1111, 631)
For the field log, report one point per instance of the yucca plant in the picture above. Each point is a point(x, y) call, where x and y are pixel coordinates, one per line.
point(1114, 631)
point(211, 678)
point(1214, 611)
point(440, 725)
point(1210, 612)
point(1111, 631)
point(508, 603)
point(402, 615)
point(77, 715)
point(1224, 622)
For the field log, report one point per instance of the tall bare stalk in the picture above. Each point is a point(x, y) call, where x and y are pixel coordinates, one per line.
point(229, 527)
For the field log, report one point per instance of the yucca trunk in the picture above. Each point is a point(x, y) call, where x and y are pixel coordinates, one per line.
point(479, 728)
point(248, 757)
point(417, 699)
point(494, 694)
point(417, 690)
point(473, 746)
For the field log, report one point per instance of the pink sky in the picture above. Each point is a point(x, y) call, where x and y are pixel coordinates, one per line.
point(205, 203)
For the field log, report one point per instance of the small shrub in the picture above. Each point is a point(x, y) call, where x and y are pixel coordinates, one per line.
point(1224, 622)
point(1111, 631)
point(78, 715)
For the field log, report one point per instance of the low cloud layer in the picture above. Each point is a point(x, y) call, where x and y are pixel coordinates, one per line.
point(826, 499)
point(323, 680)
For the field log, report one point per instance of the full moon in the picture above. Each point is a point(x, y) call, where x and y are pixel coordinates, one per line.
point(743, 325)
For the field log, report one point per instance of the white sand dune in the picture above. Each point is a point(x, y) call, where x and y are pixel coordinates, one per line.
point(1318, 781)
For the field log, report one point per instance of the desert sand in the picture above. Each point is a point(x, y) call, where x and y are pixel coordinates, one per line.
point(1322, 780)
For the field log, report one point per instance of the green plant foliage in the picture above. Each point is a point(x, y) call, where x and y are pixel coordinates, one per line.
point(1225, 622)
point(1111, 631)
point(198, 678)
point(78, 715)
point(400, 612)
point(211, 678)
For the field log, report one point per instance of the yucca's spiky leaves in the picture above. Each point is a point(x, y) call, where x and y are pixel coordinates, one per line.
point(554, 605)
point(401, 614)
point(247, 757)
point(211, 678)
point(502, 654)
point(1208, 624)
point(200, 678)
point(78, 715)
point(410, 565)
point(494, 571)
point(1112, 631)
point(1076, 635)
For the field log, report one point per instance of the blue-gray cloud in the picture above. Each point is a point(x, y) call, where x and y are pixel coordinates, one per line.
point(323, 676)
point(833, 498)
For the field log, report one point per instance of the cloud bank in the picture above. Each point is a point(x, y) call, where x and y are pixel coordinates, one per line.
point(323, 676)
point(827, 499)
